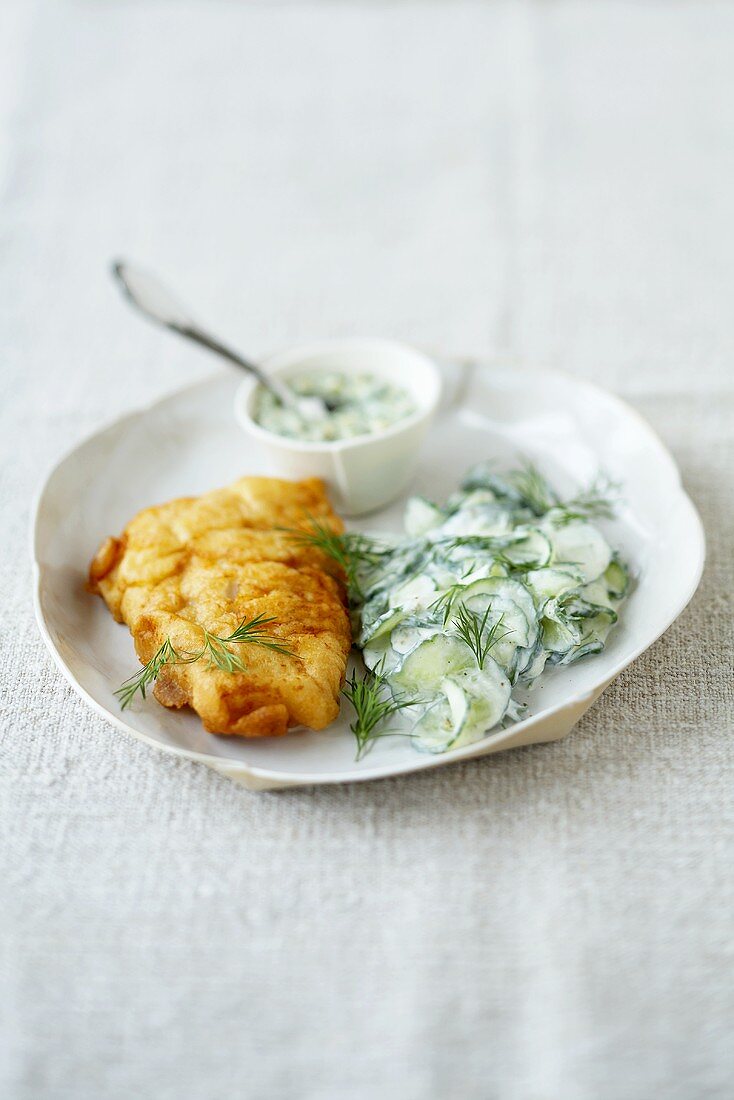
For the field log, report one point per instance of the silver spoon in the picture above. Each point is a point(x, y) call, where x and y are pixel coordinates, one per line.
point(154, 300)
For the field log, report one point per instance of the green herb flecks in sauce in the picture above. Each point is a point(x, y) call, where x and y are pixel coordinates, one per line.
point(358, 404)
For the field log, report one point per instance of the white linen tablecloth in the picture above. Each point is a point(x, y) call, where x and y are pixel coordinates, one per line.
point(540, 183)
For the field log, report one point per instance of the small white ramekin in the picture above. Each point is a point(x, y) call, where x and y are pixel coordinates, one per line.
point(368, 471)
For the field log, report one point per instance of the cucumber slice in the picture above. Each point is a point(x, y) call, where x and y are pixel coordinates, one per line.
point(474, 497)
point(515, 626)
point(431, 662)
point(593, 640)
point(383, 625)
point(545, 584)
point(616, 578)
point(506, 589)
point(534, 548)
point(584, 649)
point(579, 604)
point(482, 572)
point(535, 666)
point(421, 516)
point(457, 700)
point(573, 606)
point(596, 593)
point(376, 605)
point(380, 654)
point(524, 657)
point(411, 633)
point(601, 626)
point(442, 577)
point(435, 730)
point(489, 690)
point(414, 595)
point(488, 520)
point(442, 722)
point(483, 477)
point(559, 637)
point(474, 701)
point(583, 547)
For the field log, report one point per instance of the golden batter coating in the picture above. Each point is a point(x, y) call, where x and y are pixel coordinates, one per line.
point(216, 560)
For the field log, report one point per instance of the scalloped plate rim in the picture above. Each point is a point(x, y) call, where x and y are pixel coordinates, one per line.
point(268, 778)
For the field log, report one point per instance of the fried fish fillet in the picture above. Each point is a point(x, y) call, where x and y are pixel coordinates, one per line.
point(216, 560)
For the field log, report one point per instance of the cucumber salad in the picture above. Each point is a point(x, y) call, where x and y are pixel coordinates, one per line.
point(476, 599)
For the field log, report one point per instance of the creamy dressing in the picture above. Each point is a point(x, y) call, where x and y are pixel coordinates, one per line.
point(359, 404)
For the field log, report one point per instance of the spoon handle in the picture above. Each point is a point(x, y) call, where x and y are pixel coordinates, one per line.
point(153, 299)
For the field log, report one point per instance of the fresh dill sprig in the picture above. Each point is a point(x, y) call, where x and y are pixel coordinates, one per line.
point(517, 566)
point(252, 631)
point(444, 603)
point(527, 487)
point(148, 674)
point(372, 707)
point(350, 550)
point(219, 654)
point(596, 502)
point(470, 627)
point(534, 489)
point(216, 648)
point(496, 545)
point(488, 543)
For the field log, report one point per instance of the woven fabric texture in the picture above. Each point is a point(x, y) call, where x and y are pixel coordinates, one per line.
point(537, 183)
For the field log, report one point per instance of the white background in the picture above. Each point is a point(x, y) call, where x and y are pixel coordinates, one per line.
point(533, 183)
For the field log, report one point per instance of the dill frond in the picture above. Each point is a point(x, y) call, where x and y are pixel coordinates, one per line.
point(249, 631)
point(445, 601)
point(214, 647)
point(470, 627)
point(372, 707)
point(534, 489)
point(147, 675)
point(597, 502)
point(350, 550)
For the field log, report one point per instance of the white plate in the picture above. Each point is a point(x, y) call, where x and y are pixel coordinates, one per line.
point(189, 442)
